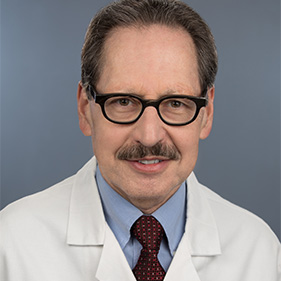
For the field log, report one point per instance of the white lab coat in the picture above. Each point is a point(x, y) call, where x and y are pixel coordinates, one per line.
point(60, 234)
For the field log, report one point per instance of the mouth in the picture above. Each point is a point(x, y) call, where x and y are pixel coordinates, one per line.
point(150, 162)
point(149, 165)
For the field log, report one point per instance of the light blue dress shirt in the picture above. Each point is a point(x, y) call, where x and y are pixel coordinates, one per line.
point(121, 215)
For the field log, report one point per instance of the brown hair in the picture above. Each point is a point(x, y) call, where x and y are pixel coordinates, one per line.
point(126, 13)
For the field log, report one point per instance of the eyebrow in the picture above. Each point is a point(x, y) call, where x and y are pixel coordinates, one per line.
point(166, 93)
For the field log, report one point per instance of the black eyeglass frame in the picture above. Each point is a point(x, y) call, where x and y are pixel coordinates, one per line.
point(200, 101)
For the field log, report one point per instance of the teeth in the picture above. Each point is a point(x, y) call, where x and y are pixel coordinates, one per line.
point(146, 162)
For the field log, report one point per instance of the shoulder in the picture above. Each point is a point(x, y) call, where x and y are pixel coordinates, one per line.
point(244, 238)
point(241, 237)
point(242, 233)
point(47, 209)
point(236, 218)
point(52, 202)
point(234, 223)
point(40, 201)
point(225, 211)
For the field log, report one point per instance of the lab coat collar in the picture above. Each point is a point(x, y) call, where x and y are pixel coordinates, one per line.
point(201, 228)
point(87, 225)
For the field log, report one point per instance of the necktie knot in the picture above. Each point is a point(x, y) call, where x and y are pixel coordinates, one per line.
point(149, 232)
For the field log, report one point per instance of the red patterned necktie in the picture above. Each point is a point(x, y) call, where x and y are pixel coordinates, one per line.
point(149, 232)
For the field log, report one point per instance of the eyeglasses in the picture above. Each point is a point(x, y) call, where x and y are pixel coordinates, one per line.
point(174, 110)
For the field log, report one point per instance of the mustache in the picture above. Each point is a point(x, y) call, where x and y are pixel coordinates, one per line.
point(137, 151)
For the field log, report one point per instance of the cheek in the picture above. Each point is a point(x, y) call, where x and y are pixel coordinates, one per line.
point(100, 134)
point(186, 139)
point(107, 138)
point(189, 149)
point(102, 141)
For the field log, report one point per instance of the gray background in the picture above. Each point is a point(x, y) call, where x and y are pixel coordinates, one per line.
point(41, 142)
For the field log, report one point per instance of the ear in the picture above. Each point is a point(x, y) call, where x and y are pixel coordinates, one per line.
point(83, 110)
point(207, 121)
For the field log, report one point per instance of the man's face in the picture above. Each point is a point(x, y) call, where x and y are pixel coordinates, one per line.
point(150, 62)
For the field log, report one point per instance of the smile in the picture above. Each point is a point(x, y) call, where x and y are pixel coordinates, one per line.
point(149, 166)
point(147, 162)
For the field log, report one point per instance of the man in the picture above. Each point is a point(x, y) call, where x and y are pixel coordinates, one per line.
point(145, 98)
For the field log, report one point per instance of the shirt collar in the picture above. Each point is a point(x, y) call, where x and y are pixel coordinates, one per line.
point(121, 214)
point(172, 216)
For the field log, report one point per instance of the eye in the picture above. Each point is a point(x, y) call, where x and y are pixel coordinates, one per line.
point(123, 101)
point(175, 103)
point(178, 105)
point(120, 101)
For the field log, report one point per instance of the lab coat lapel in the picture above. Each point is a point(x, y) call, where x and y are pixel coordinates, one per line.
point(182, 267)
point(200, 239)
point(113, 264)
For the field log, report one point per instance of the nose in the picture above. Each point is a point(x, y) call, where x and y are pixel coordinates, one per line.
point(149, 129)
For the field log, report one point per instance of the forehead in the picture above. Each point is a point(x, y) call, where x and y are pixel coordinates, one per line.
point(149, 55)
